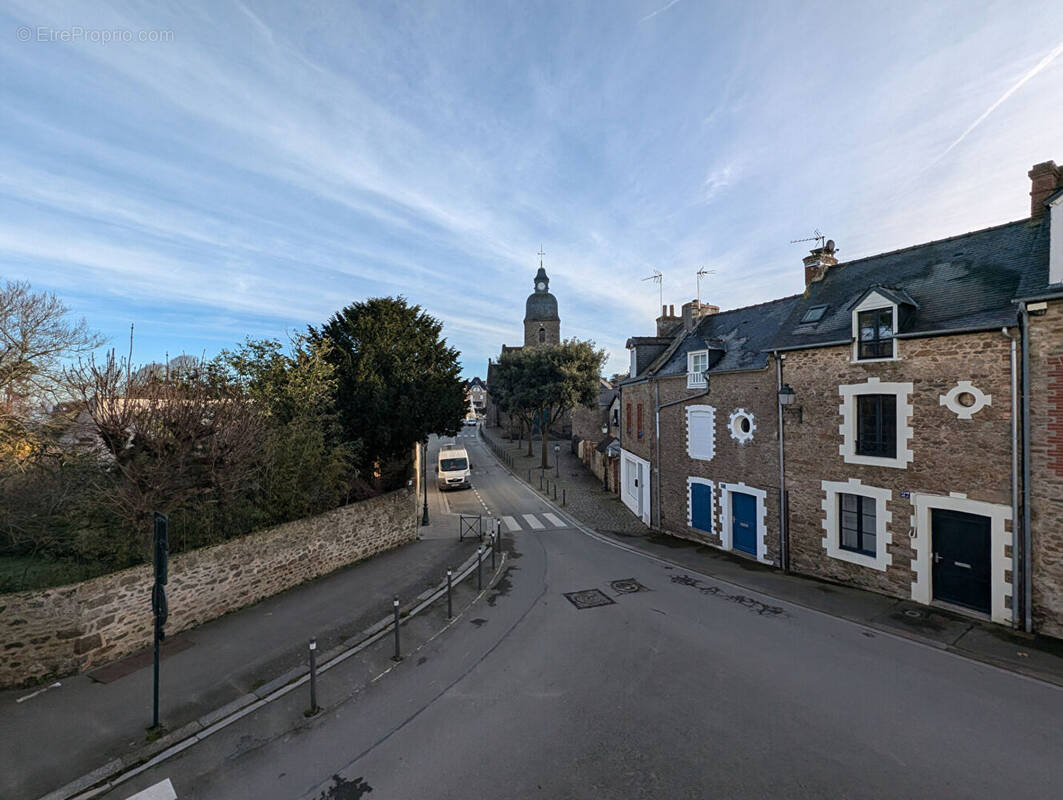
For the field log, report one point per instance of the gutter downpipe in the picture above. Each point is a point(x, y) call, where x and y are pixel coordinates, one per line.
point(784, 523)
point(1027, 559)
point(1014, 471)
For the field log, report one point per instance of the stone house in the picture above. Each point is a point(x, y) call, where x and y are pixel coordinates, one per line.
point(476, 395)
point(870, 430)
point(596, 435)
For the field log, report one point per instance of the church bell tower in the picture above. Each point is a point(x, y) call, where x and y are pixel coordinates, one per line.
point(542, 325)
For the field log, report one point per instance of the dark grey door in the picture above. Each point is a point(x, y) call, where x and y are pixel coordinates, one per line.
point(961, 554)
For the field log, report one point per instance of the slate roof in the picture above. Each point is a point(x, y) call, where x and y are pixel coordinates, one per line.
point(742, 333)
point(964, 282)
point(960, 283)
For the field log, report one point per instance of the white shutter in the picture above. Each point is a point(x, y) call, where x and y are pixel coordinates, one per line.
point(701, 442)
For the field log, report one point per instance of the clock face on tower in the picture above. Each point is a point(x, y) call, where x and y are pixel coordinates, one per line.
point(540, 286)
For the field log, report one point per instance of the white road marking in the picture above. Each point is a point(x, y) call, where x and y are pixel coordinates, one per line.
point(553, 520)
point(55, 685)
point(511, 524)
point(533, 522)
point(163, 790)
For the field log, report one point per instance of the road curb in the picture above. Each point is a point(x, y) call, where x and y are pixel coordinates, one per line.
point(118, 770)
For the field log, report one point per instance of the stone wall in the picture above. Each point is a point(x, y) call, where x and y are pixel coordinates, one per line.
point(1046, 467)
point(72, 628)
point(753, 462)
point(949, 454)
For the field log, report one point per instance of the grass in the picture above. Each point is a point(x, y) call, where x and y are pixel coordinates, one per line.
point(22, 573)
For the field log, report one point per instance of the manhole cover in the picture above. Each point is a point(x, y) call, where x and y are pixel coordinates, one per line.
point(911, 612)
point(588, 598)
point(627, 586)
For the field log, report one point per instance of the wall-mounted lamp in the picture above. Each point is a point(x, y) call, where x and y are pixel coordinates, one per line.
point(786, 400)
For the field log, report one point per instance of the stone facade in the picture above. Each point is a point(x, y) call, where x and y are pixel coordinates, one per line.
point(1046, 466)
point(72, 628)
point(753, 462)
point(949, 454)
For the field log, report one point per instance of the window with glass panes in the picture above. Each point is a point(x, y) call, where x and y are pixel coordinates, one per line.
point(856, 523)
point(876, 425)
point(876, 333)
point(697, 363)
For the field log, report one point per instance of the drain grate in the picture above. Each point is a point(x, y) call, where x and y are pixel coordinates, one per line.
point(627, 586)
point(588, 598)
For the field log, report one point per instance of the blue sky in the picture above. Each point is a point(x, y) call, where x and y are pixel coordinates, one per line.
point(273, 162)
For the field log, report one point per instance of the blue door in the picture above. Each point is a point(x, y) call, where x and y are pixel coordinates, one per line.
point(743, 522)
point(701, 506)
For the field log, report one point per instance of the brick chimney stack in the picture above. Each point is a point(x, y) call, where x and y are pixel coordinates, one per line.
point(1045, 179)
point(694, 311)
point(668, 321)
point(818, 262)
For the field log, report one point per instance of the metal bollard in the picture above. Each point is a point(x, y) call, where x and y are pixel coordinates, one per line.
point(494, 546)
point(398, 655)
point(555, 490)
point(563, 496)
point(479, 568)
point(540, 480)
point(450, 603)
point(313, 677)
point(529, 476)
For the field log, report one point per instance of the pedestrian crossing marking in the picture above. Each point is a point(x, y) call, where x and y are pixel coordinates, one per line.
point(553, 520)
point(511, 524)
point(533, 522)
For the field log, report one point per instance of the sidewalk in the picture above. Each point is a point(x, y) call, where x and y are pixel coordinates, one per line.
point(63, 733)
point(603, 512)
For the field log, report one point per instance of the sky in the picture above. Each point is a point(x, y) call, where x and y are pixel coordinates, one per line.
point(221, 169)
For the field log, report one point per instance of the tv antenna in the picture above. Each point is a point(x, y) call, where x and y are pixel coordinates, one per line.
point(701, 273)
point(815, 237)
point(658, 278)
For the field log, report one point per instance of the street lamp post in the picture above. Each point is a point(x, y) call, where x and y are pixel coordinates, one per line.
point(424, 479)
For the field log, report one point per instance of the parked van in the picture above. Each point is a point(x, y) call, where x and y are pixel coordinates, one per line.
point(453, 469)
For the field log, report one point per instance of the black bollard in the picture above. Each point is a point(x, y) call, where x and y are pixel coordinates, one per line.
point(480, 568)
point(313, 676)
point(398, 655)
point(555, 490)
point(494, 546)
point(563, 496)
point(450, 604)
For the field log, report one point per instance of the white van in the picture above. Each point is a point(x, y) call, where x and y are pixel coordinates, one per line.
point(453, 469)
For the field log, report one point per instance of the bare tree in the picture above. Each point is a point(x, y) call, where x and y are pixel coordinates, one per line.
point(37, 337)
point(178, 441)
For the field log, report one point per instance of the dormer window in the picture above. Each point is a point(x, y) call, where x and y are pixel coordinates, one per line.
point(697, 364)
point(874, 334)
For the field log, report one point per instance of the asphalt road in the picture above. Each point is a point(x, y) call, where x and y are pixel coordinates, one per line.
point(685, 688)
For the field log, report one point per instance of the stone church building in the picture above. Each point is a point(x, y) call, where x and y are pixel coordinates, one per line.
point(542, 327)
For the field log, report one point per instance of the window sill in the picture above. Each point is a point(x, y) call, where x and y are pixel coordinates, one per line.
point(876, 461)
point(874, 360)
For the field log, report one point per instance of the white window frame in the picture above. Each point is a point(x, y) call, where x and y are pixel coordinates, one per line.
point(712, 504)
point(873, 302)
point(761, 514)
point(847, 429)
point(633, 368)
point(710, 452)
point(734, 425)
point(832, 524)
point(696, 377)
point(999, 539)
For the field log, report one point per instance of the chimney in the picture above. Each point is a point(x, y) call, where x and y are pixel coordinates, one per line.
point(694, 311)
point(667, 322)
point(1045, 179)
point(818, 262)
